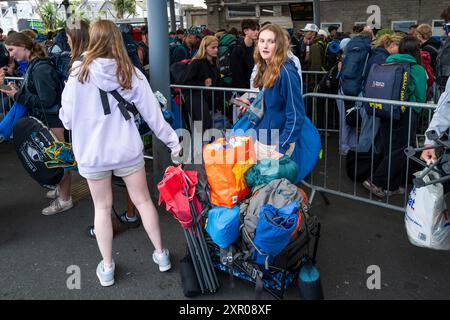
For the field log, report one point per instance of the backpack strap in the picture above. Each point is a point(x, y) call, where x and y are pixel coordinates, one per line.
point(432, 48)
point(124, 106)
point(105, 102)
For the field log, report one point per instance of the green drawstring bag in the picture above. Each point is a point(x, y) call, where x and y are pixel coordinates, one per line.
point(267, 170)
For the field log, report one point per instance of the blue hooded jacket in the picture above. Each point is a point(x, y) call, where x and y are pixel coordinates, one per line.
point(284, 108)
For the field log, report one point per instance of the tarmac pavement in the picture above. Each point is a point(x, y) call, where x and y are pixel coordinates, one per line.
point(36, 251)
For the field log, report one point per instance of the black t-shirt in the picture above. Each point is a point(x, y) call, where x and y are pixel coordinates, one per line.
point(242, 64)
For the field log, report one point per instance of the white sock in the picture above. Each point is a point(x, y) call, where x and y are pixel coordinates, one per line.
point(65, 201)
point(107, 268)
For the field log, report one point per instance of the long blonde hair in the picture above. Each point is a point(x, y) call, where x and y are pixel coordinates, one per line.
point(106, 42)
point(206, 41)
point(269, 71)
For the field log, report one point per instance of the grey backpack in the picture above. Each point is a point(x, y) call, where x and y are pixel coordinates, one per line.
point(279, 193)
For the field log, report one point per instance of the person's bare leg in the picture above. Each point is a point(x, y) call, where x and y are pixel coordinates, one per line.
point(131, 213)
point(138, 191)
point(66, 182)
point(101, 192)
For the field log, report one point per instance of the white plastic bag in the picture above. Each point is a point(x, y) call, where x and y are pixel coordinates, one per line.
point(426, 218)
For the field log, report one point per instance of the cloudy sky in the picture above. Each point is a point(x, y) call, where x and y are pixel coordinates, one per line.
point(199, 3)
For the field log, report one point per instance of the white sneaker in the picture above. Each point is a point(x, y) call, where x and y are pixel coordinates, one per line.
point(57, 206)
point(53, 194)
point(162, 259)
point(106, 278)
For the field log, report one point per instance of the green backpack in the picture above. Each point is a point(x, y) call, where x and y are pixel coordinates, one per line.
point(227, 43)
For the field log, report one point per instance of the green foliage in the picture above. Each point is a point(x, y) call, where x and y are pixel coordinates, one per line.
point(47, 12)
point(124, 6)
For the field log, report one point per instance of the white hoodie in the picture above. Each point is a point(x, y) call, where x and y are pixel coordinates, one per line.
point(108, 142)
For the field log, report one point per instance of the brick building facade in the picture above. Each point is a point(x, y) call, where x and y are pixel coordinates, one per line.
point(394, 14)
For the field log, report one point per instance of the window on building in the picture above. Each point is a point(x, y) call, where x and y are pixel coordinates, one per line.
point(238, 12)
point(267, 11)
point(361, 23)
point(402, 25)
point(438, 27)
point(325, 25)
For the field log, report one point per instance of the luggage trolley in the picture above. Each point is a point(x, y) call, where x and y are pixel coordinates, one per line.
point(440, 166)
point(276, 279)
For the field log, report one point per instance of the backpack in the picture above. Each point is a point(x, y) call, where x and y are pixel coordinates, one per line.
point(61, 63)
point(178, 71)
point(443, 65)
point(357, 54)
point(387, 81)
point(330, 82)
point(278, 193)
point(426, 63)
point(226, 45)
point(173, 44)
point(331, 54)
point(173, 49)
point(132, 51)
point(145, 51)
point(31, 138)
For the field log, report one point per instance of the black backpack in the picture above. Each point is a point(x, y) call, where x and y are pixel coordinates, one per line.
point(31, 137)
point(330, 82)
point(178, 71)
point(61, 63)
point(443, 65)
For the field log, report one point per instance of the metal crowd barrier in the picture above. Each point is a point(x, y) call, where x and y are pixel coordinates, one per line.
point(331, 174)
point(311, 79)
point(6, 102)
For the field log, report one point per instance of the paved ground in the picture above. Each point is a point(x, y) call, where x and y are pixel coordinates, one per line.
point(36, 251)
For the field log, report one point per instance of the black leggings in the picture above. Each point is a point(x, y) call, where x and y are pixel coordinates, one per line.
point(400, 129)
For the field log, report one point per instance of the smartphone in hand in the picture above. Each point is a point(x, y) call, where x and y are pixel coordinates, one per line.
point(238, 103)
point(5, 88)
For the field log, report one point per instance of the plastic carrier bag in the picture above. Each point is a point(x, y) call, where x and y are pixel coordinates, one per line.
point(426, 218)
point(226, 163)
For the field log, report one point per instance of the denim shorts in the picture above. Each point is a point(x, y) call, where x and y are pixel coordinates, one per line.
point(122, 172)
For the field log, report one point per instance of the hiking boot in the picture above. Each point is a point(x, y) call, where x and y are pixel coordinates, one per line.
point(57, 206)
point(374, 189)
point(53, 194)
point(130, 222)
point(399, 191)
point(162, 259)
point(106, 277)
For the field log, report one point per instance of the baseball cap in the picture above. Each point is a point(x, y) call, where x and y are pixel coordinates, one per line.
point(196, 31)
point(310, 27)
